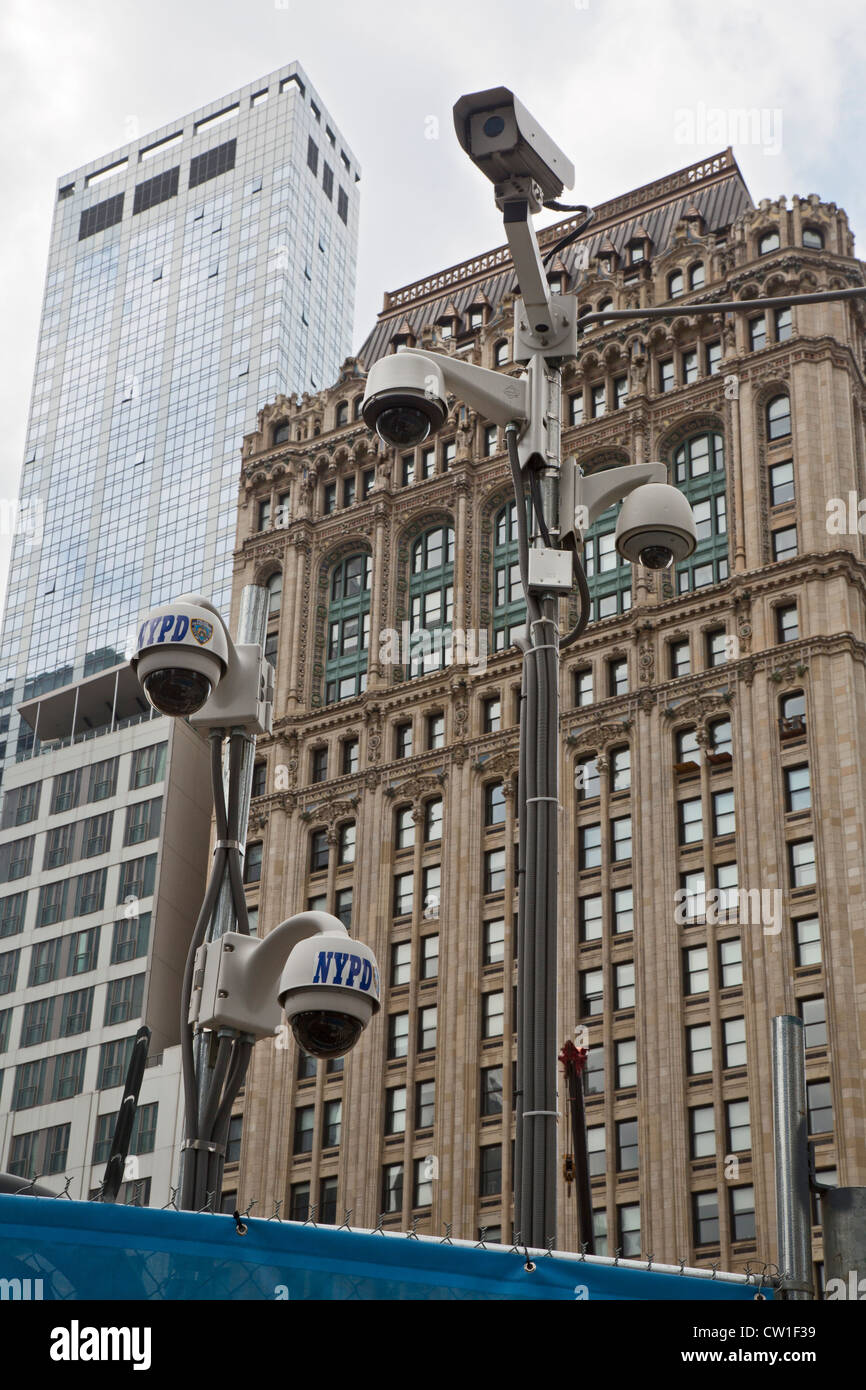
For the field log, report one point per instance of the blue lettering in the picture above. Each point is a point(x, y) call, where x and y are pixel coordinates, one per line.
point(366, 976)
point(181, 628)
point(340, 958)
point(166, 625)
point(354, 970)
point(151, 636)
point(322, 967)
point(141, 633)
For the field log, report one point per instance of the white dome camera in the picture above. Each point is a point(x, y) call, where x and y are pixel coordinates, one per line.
point(329, 989)
point(181, 654)
point(405, 399)
point(656, 526)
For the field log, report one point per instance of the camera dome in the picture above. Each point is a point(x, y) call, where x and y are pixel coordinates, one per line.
point(326, 1033)
point(657, 557)
point(403, 425)
point(174, 691)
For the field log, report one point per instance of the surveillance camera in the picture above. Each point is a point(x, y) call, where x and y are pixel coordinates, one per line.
point(329, 989)
point(405, 399)
point(505, 142)
point(655, 526)
point(181, 654)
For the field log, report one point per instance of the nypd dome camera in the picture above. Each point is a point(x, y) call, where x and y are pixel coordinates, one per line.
point(656, 526)
point(505, 142)
point(405, 400)
point(329, 989)
point(180, 655)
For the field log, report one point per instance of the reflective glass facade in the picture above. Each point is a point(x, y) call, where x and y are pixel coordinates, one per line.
point(193, 276)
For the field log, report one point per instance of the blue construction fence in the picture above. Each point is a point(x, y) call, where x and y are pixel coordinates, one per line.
point(55, 1249)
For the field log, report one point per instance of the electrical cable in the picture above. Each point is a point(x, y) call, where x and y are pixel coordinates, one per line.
point(585, 605)
point(537, 505)
point(569, 236)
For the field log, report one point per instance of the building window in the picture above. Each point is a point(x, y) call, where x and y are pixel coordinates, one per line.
point(494, 804)
point(332, 1124)
point(628, 1221)
point(509, 607)
point(147, 766)
point(734, 1042)
point(589, 847)
point(490, 1170)
point(404, 886)
point(494, 941)
point(589, 916)
point(593, 1077)
point(696, 970)
point(392, 1187)
point(620, 840)
point(787, 625)
point(113, 1063)
point(624, 985)
point(343, 906)
point(401, 963)
point(431, 597)
point(676, 284)
point(819, 1105)
point(697, 277)
point(490, 440)
point(690, 821)
point(253, 863)
point(398, 1035)
point(798, 791)
point(813, 1012)
point(690, 367)
point(303, 1132)
point(435, 731)
point(705, 1218)
point(596, 1152)
point(348, 628)
point(731, 963)
point(492, 1014)
point(758, 333)
point(813, 239)
point(349, 756)
point(699, 1048)
point(319, 765)
point(626, 1063)
point(500, 353)
point(702, 1132)
point(626, 1146)
point(623, 910)
point(784, 325)
point(801, 863)
point(714, 358)
point(422, 1183)
point(778, 418)
point(395, 1110)
point(491, 1090)
point(807, 941)
point(430, 956)
point(405, 828)
point(785, 543)
point(724, 822)
point(680, 659)
point(667, 378)
point(403, 740)
point(494, 871)
point(781, 483)
point(431, 887)
point(123, 1002)
point(739, 1134)
point(591, 993)
point(768, 242)
point(742, 1200)
point(617, 671)
point(583, 686)
point(491, 715)
point(575, 411)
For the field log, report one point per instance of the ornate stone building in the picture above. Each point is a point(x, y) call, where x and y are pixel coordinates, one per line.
point(712, 745)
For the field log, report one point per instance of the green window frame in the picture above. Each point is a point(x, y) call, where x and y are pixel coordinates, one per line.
point(509, 603)
point(699, 473)
point(347, 633)
point(431, 601)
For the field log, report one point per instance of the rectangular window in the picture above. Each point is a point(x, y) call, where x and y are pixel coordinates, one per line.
point(781, 483)
point(398, 1035)
point(626, 1062)
point(332, 1124)
point(787, 624)
point(699, 1048)
point(137, 877)
point(395, 1110)
point(691, 828)
point(76, 1010)
point(303, 1131)
point(705, 1218)
point(403, 740)
point(667, 379)
point(807, 941)
point(102, 215)
point(628, 1223)
point(13, 909)
point(785, 545)
point(617, 677)
point(427, 1028)
point(690, 367)
point(626, 1146)
point(494, 941)
point(494, 871)
point(392, 1187)
point(681, 662)
point(589, 917)
point(589, 847)
point(130, 938)
point(492, 1014)
point(724, 821)
point(51, 906)
point(734, 1041)
point(90, 891)
point(583, 686)
point(114, 1063)
point(430, 956)
point(801, 863)
point(624, 985)
point(739, 1134)
point(819, 1103)
point(623, 910)
point(591, 993)
point(731, 963)
point(490, 1170)
point(491, 1090)
point(401, 963)
point(621, 838)
point(714, 358)
point(696, 970)
point(576, 409)
point(436, 731)
point(147, 766)
point(813, 1012)
point(403, 894)
point(123, 1001)
point(702, 1131)
point(212, 163)
point(142, 821)
point(422, 1183)
point(742, 1209)
point(758, 333)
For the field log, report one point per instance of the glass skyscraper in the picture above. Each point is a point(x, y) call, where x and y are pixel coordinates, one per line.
point(193, 275)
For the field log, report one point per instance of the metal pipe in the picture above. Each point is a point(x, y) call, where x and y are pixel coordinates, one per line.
point(791, 1146)
point(843, 1216)
point(723, 307)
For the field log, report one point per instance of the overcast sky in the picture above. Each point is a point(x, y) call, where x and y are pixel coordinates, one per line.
point(631, 90)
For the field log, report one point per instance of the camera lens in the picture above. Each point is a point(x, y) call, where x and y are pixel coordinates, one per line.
point(325, 1034)
point(403, 426)
point(494, 125)
point(657, 557)
point(177, 692)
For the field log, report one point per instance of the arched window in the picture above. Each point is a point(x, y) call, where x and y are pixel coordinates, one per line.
point(500, 353)
point(348, 630)
point(768, 242)
point(792, 714)
point(699, 470)
point(281, 433)
point(342, 416)
point(356, 408)
point(431, 598)
point(778, 417)
point(275, 594)
point(676, 284)
point(608, 575)
point(696, 277)
point(509, 606)
point(813, 238)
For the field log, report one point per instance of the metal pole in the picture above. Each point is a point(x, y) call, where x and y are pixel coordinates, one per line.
point(538, 810)
point(843, 1216)
point(252, 625)
point(791, 1144)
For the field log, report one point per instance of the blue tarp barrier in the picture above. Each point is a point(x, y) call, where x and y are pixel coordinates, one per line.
point(90, 1250)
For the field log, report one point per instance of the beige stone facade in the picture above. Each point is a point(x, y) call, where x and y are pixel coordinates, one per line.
point(738, 692)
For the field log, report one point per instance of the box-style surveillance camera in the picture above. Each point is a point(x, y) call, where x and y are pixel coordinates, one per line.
point(506, 142)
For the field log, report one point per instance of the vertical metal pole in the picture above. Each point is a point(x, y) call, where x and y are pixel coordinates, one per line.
point(791, 1144)
point(252, 624)
point(843, 1216)
point(536, 1144)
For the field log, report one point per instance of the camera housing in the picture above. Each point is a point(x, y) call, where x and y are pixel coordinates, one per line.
point(181, 654)
point(505, 142)
point(656, 526)
point(405, 400)
point(329, 989)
